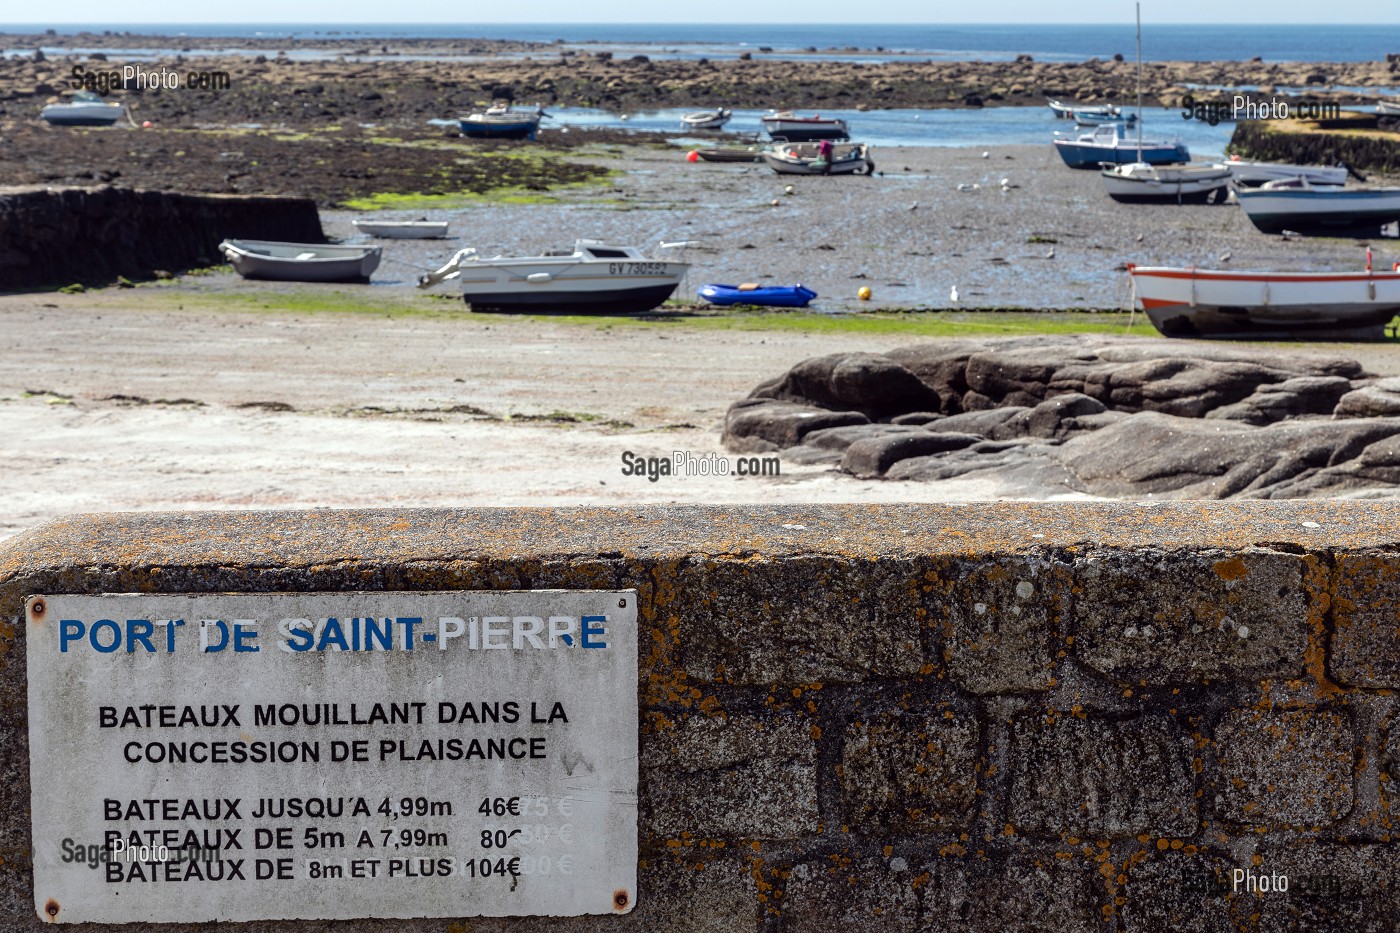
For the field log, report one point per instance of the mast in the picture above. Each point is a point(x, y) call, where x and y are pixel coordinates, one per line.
point(1139, 78)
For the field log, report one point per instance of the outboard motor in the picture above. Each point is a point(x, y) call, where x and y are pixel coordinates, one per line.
point(1351, 171)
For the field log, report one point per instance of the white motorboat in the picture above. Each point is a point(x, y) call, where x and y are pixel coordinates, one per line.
point(1186, 302)
point(806, 159)
point(706, 119)
point(593, 277)
point(403, 229)
point(786, 125)
point(1251, 174)
point(301, 262)
point(84, 109)
point(1141, 183)
point(1296, 205)
point(1388, 108)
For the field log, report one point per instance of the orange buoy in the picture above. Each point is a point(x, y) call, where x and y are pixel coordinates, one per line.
point(692, 156)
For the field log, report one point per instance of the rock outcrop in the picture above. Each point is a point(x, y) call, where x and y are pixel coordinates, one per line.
point(1089, 416)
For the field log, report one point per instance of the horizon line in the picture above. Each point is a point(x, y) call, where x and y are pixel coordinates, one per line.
point(401, 24)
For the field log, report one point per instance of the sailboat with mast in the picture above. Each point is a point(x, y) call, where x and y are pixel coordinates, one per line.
point(1144, 182)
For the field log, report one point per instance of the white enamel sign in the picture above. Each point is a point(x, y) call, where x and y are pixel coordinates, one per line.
point(236, 757)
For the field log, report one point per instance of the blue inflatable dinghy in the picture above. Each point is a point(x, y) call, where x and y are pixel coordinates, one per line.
point(772, 296)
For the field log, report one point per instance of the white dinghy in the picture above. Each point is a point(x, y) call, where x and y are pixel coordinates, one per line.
point(301, 262)
point(403, 229)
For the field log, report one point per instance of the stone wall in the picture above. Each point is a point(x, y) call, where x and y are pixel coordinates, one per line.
point(992, 717)
point(59, 236)
point(1367, 151)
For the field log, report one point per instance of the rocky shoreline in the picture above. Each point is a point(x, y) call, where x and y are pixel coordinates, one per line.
point(371, 85)
point(1097, 416)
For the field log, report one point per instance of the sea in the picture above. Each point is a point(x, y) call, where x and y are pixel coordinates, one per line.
point(1055, 42)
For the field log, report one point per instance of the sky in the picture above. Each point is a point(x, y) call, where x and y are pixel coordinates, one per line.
point(698, 11)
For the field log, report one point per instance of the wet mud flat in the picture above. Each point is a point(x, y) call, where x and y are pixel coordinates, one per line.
point(1007, 226)
point(332, 165)
point(1048, 239)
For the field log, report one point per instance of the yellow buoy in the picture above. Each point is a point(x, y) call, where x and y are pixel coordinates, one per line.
point(864, 293)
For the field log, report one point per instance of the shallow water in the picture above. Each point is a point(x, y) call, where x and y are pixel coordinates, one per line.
point(987, 127)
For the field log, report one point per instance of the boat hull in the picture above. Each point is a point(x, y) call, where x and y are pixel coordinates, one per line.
point(485, 129)
point(256, 260)
point(1326, 306)
point(771, 297)
point(1253, 174)
point(1317, 211)
point(1167, 187)
point(803, 131)
point(621, 300)
point(569, 286)
point(710, 120)
point(729, 155)
point(81, 114)
point(1087, 156)
point(802, 159)
point(414, 230)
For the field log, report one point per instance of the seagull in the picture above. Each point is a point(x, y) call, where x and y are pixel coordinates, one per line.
point(1051, 253)
point(1225, 256)
point(1138, 238)
point(964, 186)
point(1006, 184)
point(1289, 234)
point(914, 206)
point(953, 295)
point(986, 155)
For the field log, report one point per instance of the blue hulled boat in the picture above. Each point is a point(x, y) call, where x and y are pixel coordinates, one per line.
point(1106, 144)
point(772, 296)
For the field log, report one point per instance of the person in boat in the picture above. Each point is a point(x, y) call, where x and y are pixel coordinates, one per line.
point(824, 152)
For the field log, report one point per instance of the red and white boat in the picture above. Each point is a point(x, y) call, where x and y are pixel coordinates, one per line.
point(1185, 302)
point(789, 126)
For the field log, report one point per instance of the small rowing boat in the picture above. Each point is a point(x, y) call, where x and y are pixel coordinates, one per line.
point(706, 119)
point(301, 262)
point(750, 293)
point(403, 229)
point(730, 154)
point(1186, 302)
point(1141, 183)
point(1253, 174)
point(806, 159)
